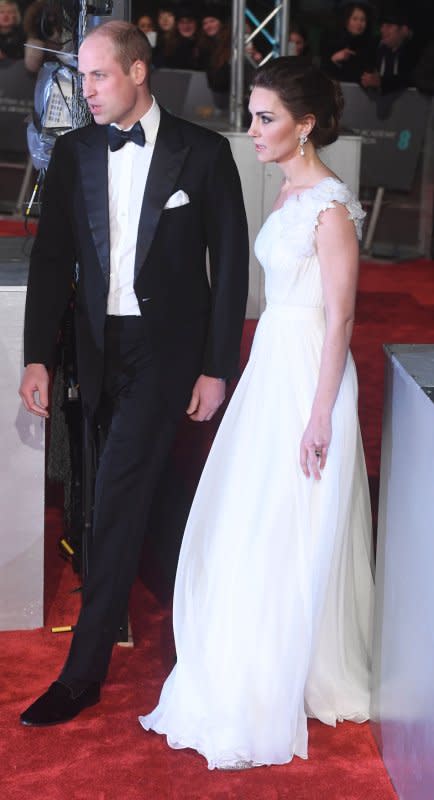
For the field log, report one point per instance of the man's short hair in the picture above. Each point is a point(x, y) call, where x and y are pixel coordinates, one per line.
point(393, 16)
point(130, 43)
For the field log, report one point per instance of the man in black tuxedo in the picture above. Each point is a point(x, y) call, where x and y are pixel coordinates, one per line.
point(131, 205)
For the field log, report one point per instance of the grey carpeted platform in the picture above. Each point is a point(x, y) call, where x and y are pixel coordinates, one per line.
point(14, 260)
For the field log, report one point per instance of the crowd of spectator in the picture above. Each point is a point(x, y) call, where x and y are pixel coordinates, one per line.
point(378, 49)
point(354, 55)
point(194, 37)
point(350, 52)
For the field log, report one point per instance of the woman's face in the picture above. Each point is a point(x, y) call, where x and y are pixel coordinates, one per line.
point(211, 26)
point(273, 128)
point(298, 40)
point(166, 21)
point(145, 24)
point(187, 26)
point(356, 23)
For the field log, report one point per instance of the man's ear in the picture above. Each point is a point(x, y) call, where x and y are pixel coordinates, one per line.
point(139, 72)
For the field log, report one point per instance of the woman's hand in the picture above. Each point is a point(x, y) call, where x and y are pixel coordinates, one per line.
point(314, 446)
point(342, 55)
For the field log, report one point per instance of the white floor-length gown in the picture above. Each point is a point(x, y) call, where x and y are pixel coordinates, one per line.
point(273, 596)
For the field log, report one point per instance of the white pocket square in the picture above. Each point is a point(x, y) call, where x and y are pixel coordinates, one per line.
point(180, 198)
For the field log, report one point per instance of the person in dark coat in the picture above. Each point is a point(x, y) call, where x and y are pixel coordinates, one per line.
point(423, 73)
point(298, 43)
point(11, 31)
point(184, 52)
point(166, 34)
point(132, 205)
point(215, 45)
point(396, 55)
point(348, 54)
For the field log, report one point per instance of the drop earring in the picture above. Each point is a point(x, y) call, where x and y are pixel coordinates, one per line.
point(302, 140)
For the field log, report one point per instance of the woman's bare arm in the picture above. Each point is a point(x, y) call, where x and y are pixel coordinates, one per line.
point(338, 254)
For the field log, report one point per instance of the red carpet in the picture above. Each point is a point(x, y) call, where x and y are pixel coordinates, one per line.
point(17, 227)
point(395, 304)
point(104, 754)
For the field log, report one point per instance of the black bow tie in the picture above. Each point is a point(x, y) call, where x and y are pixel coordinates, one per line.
point(118, 138)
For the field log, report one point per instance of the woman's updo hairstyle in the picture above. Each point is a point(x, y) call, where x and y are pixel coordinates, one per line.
point(305, 90)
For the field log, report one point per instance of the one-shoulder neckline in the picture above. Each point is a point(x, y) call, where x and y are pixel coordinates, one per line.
point(299, 195)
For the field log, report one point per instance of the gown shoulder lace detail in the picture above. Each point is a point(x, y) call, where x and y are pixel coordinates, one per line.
point(331, 191)
point(301, 213)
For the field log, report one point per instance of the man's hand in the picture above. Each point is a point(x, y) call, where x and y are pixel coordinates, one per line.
point(35, 382)
point(207, 396)
point(370, 80)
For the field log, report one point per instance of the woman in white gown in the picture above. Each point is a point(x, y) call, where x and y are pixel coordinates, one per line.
point(273, 595)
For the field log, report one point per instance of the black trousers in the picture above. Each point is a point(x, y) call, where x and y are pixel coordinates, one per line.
point(139, 427)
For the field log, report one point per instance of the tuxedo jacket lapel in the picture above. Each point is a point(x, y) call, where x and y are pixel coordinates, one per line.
point(166, 164)
point(168, 158)
point(93, 162)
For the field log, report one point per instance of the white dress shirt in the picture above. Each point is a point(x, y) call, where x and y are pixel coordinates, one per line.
point(128, 170)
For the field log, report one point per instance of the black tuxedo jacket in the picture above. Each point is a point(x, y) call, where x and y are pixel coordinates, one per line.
point(174, 294)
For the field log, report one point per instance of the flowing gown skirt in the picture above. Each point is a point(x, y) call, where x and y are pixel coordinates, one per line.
point(273, 596)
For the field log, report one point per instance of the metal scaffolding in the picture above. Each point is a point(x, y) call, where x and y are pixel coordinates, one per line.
point(278, 41)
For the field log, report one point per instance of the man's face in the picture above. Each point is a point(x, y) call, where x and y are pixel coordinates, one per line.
point(393, 35)
point(111, 94)
point(8, 17)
